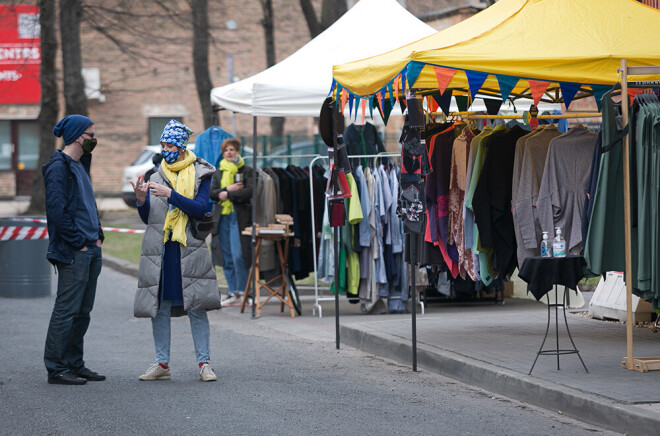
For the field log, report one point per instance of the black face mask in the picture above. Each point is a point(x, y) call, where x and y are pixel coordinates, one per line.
point(88, 145)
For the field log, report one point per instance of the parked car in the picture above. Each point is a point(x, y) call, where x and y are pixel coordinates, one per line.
point(305, 148)
point(141, 165)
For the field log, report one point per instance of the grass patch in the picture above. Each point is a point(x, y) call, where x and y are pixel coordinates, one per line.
point(124, 246)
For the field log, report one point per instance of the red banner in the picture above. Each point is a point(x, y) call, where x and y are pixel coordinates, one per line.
point(20, 54)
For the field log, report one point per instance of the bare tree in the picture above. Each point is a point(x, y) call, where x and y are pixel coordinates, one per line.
point(201, 58)
point(331, 11)
point(74, 85)
point(268, 23)
point(49, 104)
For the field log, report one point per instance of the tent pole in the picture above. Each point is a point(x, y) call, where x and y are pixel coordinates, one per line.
point(254, 214)
point(626, 217)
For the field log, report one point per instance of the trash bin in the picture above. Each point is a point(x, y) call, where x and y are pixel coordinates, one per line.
point(24, 270)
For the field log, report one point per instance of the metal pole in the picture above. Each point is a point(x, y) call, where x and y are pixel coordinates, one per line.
point(413, 291)
point(254, 216)
point(626, 215)
point(336, 235)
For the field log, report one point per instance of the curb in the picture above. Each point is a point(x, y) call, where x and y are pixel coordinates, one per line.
point(583, 406)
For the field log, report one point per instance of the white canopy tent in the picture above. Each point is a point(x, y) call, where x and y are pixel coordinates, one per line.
point(298, 85)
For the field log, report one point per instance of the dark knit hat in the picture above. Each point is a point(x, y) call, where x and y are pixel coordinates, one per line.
point(71, 127)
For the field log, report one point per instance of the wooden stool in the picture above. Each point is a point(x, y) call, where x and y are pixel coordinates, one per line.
point(279, 234)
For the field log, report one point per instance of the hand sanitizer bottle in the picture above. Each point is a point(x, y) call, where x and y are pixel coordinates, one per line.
point(558, 244)
point(545, 246)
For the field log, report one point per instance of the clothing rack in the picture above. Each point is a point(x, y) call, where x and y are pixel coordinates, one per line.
point(641, 364)
point(476, 116)
point(317, 298)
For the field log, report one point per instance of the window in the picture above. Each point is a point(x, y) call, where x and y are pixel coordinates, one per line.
point(28, 145)
point(6, 146)
point(156, 126)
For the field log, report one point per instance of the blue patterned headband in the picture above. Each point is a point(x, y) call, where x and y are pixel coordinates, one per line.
point(176, 133)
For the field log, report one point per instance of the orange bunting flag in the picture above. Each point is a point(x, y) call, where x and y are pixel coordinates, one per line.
point(634, 92)
point(363, 105)
point(444, 76)
point(344, 98)
point(537, 88)
point(431, 104)
point(396, 87)
point(379, 97)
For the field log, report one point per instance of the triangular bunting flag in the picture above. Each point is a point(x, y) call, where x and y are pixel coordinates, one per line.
point(337, 92)
point(537, 88)
point(444, 101)
point(332, 87)
point(413, 70)
point(402, 103)
point(380, 98)
point(350, 104)
point(432, 104)
point(492, 105)
point(475, 80)
point(568, 91)
point(357, 106)
point(599, 91)
point(390, 89)
point(443, 76)
point(371, 107)
point(344, 99)
point(363, 104)
point(403, 83)
point(507, 83)
point(396, 87)
point(462, 103)
point(387, 109)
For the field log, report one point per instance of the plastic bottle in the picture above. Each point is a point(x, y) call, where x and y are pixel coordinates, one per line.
point(558, 244)
point(545, 246)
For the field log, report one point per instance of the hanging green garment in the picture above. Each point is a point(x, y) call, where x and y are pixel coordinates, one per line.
point(604, 249)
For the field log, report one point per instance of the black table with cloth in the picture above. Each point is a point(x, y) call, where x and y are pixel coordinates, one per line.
point(541, 274)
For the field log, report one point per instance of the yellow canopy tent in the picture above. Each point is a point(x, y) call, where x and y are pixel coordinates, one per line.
point(556, 44)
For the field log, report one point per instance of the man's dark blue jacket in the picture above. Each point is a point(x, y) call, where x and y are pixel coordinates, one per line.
point(62, 197)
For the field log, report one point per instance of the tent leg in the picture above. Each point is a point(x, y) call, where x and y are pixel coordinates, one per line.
point(254, 213)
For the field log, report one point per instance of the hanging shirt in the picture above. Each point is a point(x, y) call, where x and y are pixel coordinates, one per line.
point(563, 186)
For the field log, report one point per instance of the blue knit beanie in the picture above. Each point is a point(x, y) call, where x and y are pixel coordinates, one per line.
point(176, 133)
point(71, 127)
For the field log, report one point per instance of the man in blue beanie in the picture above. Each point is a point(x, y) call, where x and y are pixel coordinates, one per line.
point(74, 248)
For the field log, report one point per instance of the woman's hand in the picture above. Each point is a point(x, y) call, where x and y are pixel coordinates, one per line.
point(222, 196)
point(235, 186)
point(160, 190)
point(140, 189)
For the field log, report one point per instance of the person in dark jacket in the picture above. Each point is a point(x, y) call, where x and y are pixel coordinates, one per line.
point(75, 239)
point(232, 189)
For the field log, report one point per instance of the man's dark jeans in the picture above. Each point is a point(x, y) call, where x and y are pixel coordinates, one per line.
point(76, 289)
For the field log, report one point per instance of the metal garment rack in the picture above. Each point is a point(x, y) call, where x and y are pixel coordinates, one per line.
point(641, 364)
point(317, 298)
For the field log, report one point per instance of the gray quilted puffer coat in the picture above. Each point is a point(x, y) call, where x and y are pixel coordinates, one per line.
point(200, 286)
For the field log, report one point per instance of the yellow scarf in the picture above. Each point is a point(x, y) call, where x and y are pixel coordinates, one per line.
point(184, 184)
point(229, 170)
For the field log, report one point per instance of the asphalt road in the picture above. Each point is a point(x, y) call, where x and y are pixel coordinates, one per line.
point(269, 382)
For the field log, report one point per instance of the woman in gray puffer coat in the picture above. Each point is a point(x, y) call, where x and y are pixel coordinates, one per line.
point(176, 275)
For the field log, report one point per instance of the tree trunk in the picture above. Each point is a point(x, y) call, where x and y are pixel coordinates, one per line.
point(74, 86)
point(201, 58)
point(276, 123)
point(313, 23)
point(331, 11)
point(49, 105)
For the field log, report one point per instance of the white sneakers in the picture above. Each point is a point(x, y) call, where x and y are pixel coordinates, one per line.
point(206, 373)
point(231, 299)
point(157, 372)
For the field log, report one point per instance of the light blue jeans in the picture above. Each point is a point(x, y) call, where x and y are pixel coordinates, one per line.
point(234, 267)
point(199, 324)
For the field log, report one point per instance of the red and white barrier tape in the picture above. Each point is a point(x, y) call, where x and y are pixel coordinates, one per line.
point(15, 233)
